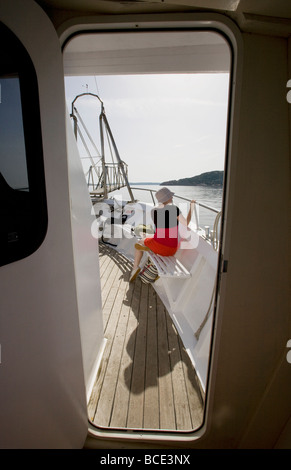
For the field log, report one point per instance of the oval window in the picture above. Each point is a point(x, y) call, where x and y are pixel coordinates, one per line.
point(23, 208)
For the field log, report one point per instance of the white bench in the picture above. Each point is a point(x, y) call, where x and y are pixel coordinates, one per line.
point(168, 266)
point(173, 277)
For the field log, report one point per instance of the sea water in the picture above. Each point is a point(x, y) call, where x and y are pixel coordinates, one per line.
point(206, 195)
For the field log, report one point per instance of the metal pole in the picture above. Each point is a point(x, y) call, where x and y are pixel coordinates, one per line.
point(75, 124)
point(103, 153)
point(72, 110)
point(120, 162)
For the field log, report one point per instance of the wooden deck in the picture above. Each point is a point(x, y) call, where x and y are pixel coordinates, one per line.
point(146, 380)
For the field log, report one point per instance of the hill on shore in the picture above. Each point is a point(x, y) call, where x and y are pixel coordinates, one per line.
point(210, 178)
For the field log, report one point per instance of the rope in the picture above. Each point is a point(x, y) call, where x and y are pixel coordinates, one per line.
point(215, 246)
point(198, 332)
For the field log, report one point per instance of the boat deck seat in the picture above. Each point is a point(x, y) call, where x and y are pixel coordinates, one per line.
point(169, 266)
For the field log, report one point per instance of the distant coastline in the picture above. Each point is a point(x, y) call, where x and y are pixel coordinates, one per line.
point(210, 178)
point(146, 182)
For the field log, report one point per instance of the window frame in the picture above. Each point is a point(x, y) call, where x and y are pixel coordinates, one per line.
point(24, 219)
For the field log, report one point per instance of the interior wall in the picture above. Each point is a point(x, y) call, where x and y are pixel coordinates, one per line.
point(289, 108)
point(254, 312)
point(284, 441)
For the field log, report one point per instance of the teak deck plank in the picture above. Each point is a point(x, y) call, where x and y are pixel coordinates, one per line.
point(145, 380)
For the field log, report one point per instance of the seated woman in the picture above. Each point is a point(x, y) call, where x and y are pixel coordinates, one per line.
point(165, 241)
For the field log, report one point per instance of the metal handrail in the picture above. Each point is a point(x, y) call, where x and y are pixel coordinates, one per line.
point(208, 236)
point(180, 197)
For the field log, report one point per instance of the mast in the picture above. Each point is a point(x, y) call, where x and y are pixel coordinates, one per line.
point(107, 181)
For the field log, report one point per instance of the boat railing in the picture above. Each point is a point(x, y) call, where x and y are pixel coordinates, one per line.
point(210, 234)
point(114, 177)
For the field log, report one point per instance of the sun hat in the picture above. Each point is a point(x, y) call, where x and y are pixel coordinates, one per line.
point(163, 195)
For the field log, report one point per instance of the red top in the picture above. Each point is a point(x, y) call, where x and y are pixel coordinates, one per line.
point(166, 222)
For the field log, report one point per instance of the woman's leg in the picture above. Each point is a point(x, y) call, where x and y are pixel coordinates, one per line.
point(139, 249)
point(137, 258)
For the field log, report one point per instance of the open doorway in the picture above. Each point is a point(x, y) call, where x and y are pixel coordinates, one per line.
point(166, 97)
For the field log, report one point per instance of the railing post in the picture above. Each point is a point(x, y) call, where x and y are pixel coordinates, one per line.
point(103, 154)
point(196, 216)
point(152, 196)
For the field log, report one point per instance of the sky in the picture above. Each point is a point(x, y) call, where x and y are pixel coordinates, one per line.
point(12, 145)
point(166, 127)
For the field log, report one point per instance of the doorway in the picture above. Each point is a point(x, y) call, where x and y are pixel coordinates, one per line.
point(166, 96)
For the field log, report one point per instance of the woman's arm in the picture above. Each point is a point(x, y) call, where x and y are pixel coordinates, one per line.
point(186, 221)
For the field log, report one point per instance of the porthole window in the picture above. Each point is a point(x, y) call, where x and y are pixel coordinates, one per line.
point(23, 209)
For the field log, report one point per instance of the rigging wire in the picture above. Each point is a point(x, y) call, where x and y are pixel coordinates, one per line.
point(87, 132)
point(96, 85)
point(88, 151)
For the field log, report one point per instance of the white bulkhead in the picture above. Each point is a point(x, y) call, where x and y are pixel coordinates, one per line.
point(50, 313)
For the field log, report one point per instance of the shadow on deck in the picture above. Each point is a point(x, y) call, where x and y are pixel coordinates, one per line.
point(146, 379)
